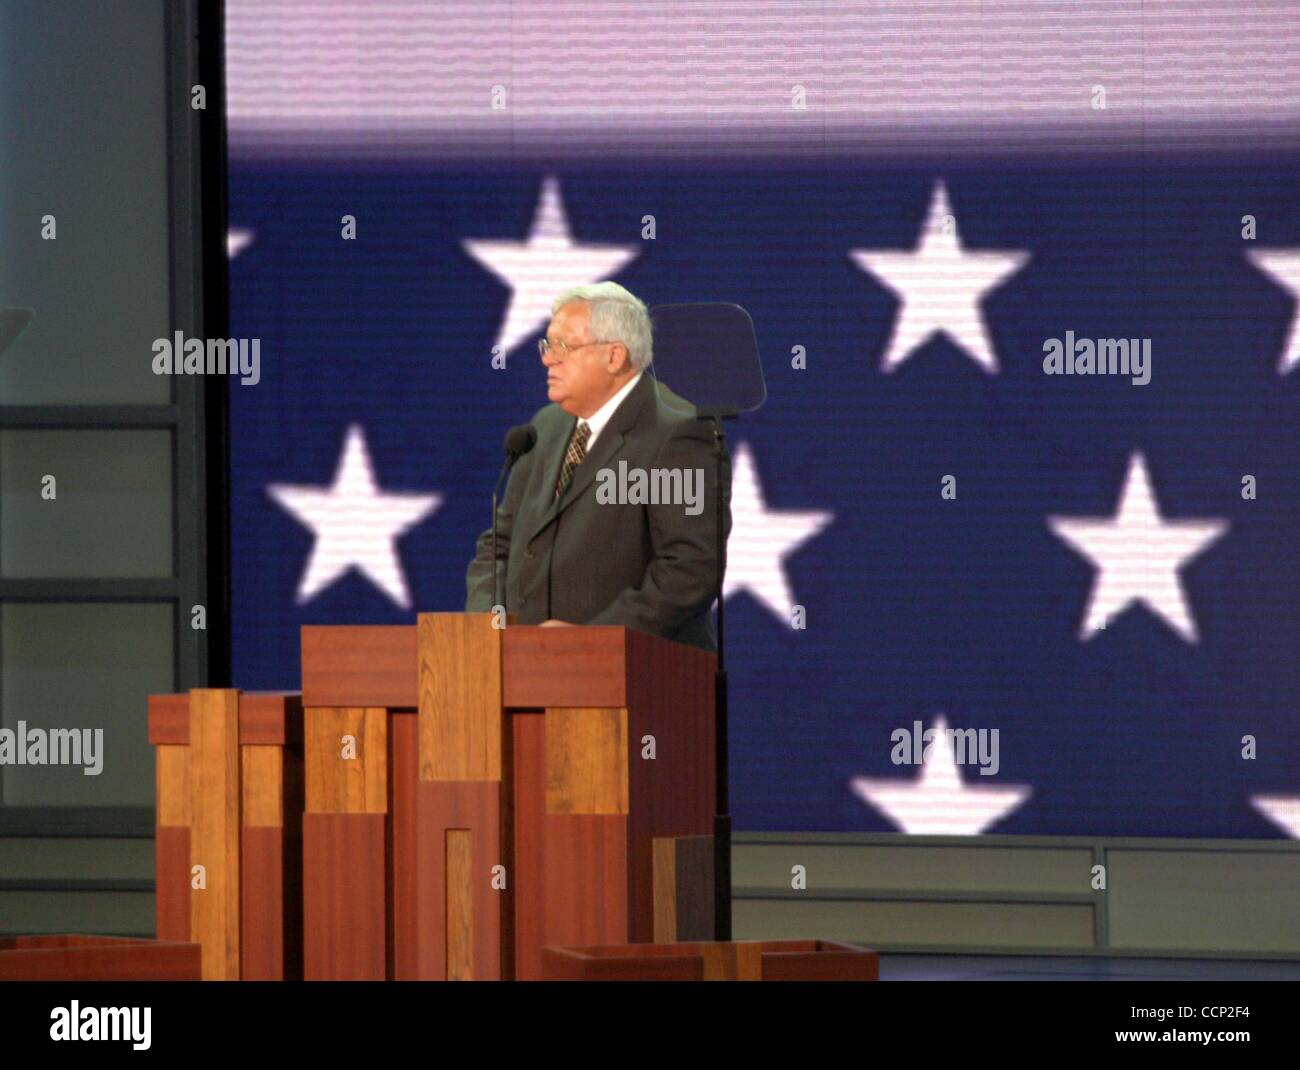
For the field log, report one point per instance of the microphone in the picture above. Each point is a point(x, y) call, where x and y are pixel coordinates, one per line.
point(519, 440)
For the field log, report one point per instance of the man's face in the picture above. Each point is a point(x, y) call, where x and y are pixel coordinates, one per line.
point(583, 379)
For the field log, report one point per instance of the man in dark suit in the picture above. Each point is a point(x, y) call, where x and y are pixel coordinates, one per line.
point(610, 519)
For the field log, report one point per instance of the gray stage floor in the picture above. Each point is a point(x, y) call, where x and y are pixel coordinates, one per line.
point(1035, 968)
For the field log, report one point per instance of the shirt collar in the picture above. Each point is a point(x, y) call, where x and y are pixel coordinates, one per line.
point(601, 416)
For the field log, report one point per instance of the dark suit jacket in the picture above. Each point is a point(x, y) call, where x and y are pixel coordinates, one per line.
point(647, 566)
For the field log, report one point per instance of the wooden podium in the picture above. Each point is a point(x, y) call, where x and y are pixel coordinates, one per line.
point(474, 794)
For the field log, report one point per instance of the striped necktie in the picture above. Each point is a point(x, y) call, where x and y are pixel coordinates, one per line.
point(573, 456)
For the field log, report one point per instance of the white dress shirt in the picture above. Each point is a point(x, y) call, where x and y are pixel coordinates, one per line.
point(598, 419)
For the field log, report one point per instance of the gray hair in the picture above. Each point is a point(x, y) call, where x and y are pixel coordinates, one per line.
point(616, 316)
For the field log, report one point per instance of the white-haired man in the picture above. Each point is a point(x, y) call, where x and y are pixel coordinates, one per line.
point(571, 555)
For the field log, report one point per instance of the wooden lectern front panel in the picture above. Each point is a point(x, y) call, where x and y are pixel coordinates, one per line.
point(586, 761)
point(571, 868)
point(345, 897)
point(460, 696)
point(670, 714)
point(366, 665)
point(215, 829)
point(463, 882)
point(347, 760)
point(403, 875)
point(459, 866)
point(345, 839)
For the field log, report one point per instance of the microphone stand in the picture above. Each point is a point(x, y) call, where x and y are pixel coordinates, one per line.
point(497, 586)
point(722, 805)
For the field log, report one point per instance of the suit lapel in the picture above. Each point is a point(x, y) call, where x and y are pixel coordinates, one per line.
point(554, 462)
point(544, 495)
point(607, 446)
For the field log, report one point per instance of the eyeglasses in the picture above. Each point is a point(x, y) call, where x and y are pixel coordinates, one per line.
point(562, 349)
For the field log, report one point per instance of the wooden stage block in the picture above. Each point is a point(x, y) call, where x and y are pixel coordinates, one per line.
point(80, 957)
point(229, 798)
